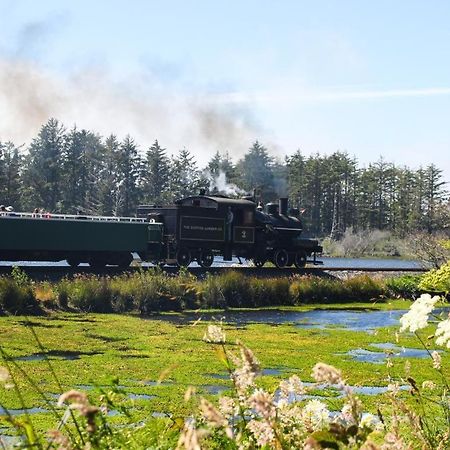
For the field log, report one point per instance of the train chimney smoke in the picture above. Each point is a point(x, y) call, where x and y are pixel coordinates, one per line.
point(283, 206)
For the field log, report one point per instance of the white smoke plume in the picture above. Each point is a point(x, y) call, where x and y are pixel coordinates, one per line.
point(219, 183)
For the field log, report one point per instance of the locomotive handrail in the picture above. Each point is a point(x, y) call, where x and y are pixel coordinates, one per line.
point(13, 214)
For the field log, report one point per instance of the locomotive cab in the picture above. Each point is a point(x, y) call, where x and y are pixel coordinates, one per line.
point(210, 225)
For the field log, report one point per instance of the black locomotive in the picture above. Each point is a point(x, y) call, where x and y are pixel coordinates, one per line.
point(202, 226)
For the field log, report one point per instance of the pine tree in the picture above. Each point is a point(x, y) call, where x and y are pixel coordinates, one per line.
point(156, 176)
point(43, 168)
point(10, 180)
point(255, 171)
point(128, 165)
point(185, 178)
point(109, 194)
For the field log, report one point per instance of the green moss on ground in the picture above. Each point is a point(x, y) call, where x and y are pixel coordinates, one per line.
point(137, 351)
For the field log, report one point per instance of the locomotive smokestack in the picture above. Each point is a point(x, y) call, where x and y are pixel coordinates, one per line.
point(283, 206)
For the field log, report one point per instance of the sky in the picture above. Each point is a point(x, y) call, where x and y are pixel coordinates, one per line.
point(369, 78)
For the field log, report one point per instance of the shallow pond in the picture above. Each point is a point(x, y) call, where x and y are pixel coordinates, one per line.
point(351, 320)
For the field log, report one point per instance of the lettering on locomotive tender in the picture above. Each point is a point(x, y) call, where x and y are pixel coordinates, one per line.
point(202, 228)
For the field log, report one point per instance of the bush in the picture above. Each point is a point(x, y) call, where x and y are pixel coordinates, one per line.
point(406, 286)
point(437, 280)
point(89, 294)
point(17, 298)
point(236, 289)
point(155, 290)
point(311, 289)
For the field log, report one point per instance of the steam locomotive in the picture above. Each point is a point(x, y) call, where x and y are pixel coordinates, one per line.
point(195, 228)
point(199, 227)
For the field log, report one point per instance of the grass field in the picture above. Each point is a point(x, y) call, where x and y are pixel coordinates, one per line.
point(94, 352)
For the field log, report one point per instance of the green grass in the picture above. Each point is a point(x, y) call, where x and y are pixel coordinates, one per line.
point(137, 351)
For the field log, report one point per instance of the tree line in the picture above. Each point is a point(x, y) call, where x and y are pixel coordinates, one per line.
point(75, 171)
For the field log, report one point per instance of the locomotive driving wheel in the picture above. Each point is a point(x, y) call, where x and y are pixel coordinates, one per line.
point(206, 258)
point(183, 257)
point(280, 258)
point(300, 259)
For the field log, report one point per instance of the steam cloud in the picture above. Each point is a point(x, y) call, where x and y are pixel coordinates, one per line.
point(219, 183)
point(143, 108)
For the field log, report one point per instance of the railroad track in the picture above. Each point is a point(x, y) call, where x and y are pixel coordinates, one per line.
point(58, 272)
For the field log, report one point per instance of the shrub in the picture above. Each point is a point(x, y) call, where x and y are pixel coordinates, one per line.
point(16, 298)
point(271, 291)
point(406, 286)
point(157, 291)
point(236, 289)
point(437, 280)
point(362, 287)
point(311, 289)
point(86, 293)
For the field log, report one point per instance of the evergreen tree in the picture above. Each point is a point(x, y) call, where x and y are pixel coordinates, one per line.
point(255, 171)
point(43, 168)
point(156, 176)
point(109, 194)
point(10, 180)
point(128, 168)
point(185, 178)
point(81, 166)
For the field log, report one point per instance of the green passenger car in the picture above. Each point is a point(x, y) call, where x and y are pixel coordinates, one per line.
point(95, 240)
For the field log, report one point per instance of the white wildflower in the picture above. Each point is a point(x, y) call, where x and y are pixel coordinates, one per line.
point(227, 406)
point(214, 334)
point(243, 379)
point(436, 359)
point(369, 421)
point(292, 385)
point(316, 415)
point(211, 414)
point(323, 373)
point(5, 378)
point(443, 331)
point(262, 431)
point(393, 388)
point(262, 403)
point(417, 316)
point(428, 385)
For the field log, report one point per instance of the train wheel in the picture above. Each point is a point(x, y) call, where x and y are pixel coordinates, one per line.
point(206, 258)
point(73, 262)
point(300, 259)
point(280, 258)
point(258, 262)
point(183, 257)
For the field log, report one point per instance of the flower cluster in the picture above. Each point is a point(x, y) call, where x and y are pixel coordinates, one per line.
point(5, 378)
point(443, 333)
point(214, 335)
point(417, 316)
point(256, 418)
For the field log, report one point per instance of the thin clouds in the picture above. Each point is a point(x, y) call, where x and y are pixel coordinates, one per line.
point(325, 96)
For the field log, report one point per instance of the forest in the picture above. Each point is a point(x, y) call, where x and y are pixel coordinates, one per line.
point(76, 170)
